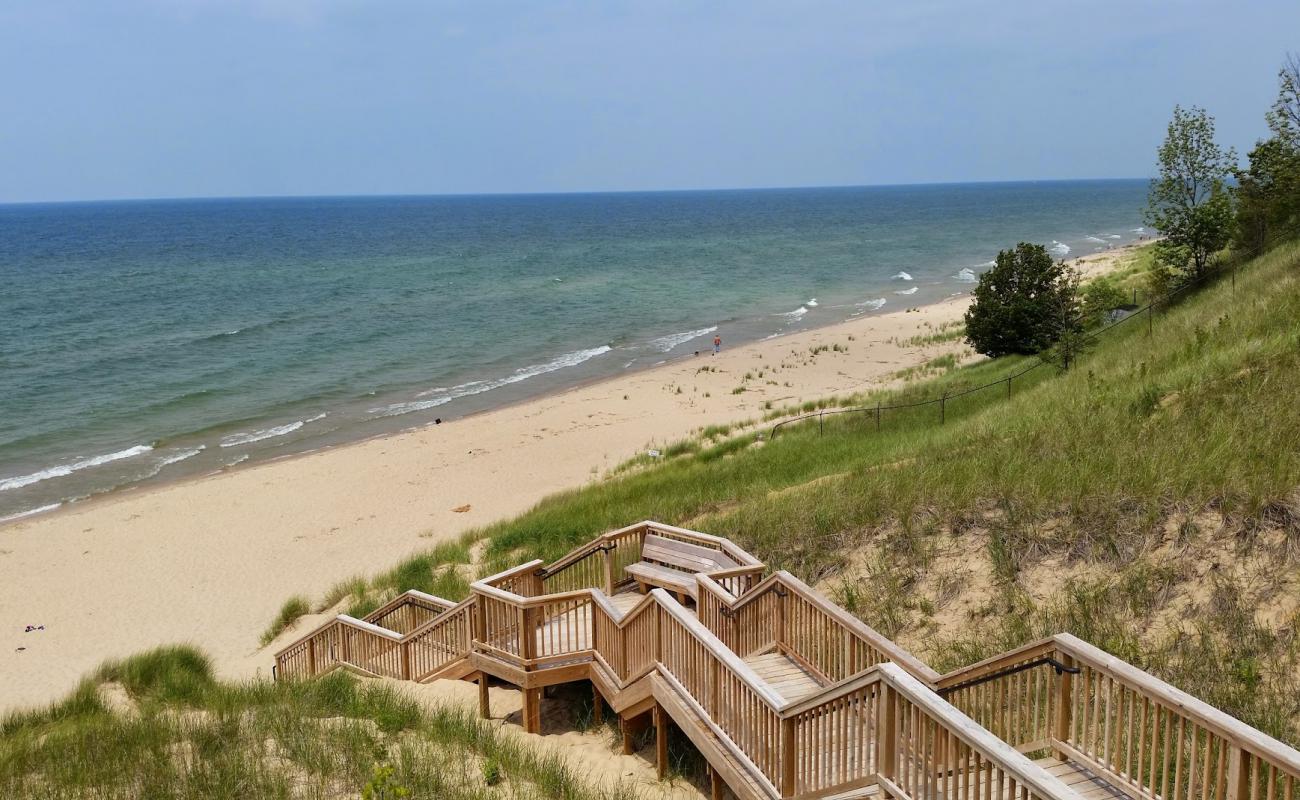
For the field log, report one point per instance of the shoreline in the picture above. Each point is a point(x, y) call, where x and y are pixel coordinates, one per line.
point(211, 558)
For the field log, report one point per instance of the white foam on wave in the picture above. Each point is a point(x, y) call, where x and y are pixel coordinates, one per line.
point(479, 387)
point(1059, 248)
point(248, 437)
point(1112, 236)
point(1138, 229)
point(988, 264)
point(31, 512)
point(797, 313)
point(906, 291)
point(871, 305)
point(812, 303)
point(902, 276)
point(665, 343)
point(19, 481)
point(182, 455)
point(966, 275)
point(1096, 239)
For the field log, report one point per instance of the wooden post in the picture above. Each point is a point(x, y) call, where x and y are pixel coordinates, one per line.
point(1238, 774)
point(1064, 704)
point(345, 645)
point(661, 743)
point(788, 760)
point(532, 710)
point(527, 636)
point(716, 785)
point(484, 701)
point(628, 731)
point(609, 572)
point(406, 660)
point(886, 732)
point(597, 706)
point(780, 619)
point(311, 656)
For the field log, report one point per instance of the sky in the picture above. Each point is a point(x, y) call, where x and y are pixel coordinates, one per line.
point(201, 98)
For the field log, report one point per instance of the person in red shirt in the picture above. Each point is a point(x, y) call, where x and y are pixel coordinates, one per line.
point(717, 345)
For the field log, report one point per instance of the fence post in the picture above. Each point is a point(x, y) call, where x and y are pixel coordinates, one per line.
point(1064, 704)
point(877, 416)
point(943, 407)
point(609, 572)
point(886, 728)
point(1009, 387)
point(787, 757)
point(821, 422)
point(1150, 311)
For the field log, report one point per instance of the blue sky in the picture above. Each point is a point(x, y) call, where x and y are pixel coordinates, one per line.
point(177, 98)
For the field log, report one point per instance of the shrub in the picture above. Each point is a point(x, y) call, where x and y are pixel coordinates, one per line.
point(1023, 304)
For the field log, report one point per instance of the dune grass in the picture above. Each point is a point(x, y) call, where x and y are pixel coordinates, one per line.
point(173, 730)
point(292, 609)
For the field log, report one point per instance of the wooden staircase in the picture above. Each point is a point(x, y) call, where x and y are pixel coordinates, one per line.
point(786, 695)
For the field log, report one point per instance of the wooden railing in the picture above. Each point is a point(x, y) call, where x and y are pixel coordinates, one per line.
point(362, 644)
point(442, 641)
point(1144, 736)
point(408, 611)
point(784, 612)
point(929, 749)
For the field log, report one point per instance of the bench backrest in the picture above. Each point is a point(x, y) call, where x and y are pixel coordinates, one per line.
point(685, 556)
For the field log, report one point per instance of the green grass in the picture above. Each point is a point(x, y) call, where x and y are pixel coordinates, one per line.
point(292, 609)
point(178, 732)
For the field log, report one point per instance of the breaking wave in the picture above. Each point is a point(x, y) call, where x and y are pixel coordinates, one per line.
point(61, 470)
point(248, 437)
point(966, 275)
point(901, 276)
point(665, 343)
point(906, 291)
point(479, 387)
point(1059, 248)
point(872, 305)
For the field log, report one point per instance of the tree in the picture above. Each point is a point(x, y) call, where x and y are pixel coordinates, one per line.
point(1268, 190)
point(1189, 202)
point(1023, 304)
point(1100, 297)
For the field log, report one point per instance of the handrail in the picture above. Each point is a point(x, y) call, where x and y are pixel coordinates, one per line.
point(997, 662)
point(720, 651)
point(976, 736)
point(522, 569)
point(1230, 728)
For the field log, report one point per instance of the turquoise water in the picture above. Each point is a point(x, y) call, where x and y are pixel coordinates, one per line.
point(153, 340)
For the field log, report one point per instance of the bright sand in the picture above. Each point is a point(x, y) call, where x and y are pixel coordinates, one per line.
point(210, 561)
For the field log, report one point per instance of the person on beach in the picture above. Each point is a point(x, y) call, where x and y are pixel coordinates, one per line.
point(717, 345)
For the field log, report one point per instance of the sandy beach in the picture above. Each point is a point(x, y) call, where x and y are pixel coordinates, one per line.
point(210, 561)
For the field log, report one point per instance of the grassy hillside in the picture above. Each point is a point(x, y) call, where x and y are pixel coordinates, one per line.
point(1145, 500)
point(159, 725)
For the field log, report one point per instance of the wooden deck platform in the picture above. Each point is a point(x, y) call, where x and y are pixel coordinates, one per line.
point(1080, 779)
point(785, 675)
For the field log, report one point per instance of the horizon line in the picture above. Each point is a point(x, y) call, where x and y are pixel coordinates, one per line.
point(576, 192)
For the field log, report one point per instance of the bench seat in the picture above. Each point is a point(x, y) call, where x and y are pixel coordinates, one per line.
point(654, 575)
point(672, 564)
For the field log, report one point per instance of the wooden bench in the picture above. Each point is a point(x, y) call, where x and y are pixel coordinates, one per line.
point(672, 564)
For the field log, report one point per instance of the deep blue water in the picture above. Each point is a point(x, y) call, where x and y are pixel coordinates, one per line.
point(165, 338)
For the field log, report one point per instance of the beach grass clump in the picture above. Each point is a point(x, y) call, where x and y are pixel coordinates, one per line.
point(173, 730)
point(292, 609)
